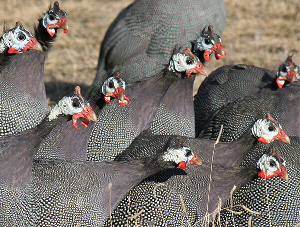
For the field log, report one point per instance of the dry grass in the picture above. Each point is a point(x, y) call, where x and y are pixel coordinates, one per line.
point(258, 32)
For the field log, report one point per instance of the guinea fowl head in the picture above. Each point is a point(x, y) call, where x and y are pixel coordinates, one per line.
point(18, 40)
point(288, 71)
point(271, 166)
point(267, 130)
point(55, 18)
point(114, 87)
point(180, 156)
point(209, 42)
point(76, 107)
point(187, 63)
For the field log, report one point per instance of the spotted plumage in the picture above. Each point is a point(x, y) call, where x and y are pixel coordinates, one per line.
point(226, 84)
point(23, 102)
point(276, 200)
point(47, 198)
point(171, 198)
point(147, 32)
point(238, 116)
point(162, 102)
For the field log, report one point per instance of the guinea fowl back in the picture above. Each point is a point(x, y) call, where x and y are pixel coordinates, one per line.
point(226, 84)
point(238, 116)
point(147, 32)
point(177, 198)
point(277, 202)
point(63, 193)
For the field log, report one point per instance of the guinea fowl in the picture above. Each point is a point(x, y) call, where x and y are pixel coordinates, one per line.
point(17, 151)
point(288, 71)
point(170, 198)
point(117, 125)
point(17, 40)
point(231, 82)
point(23, 96)
point(64, 193)
point(114, 87)
point(162, 102)
point(146, 33)
point(238, 116)
point(277, 202)
point(66, 144)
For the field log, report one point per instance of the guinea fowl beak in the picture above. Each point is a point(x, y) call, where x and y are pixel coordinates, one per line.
point(34, 44)
point(291, 76)
point(119, 94)
point(86, 115)
point(195, 161)
point(282, 173)
point(219, 51)
point(218, 48)
point(282, 136)
point(89, 114)
point(198, 69)
point(62, 23)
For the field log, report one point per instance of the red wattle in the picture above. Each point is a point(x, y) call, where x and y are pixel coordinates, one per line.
point(182, 165)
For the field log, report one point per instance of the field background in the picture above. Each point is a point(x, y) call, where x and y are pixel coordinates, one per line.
point(258, 32)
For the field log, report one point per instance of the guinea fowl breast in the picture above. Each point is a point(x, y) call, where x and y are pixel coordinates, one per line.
point(23, 95)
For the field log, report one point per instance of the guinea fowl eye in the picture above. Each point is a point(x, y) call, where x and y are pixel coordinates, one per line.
point(75, 103)
point(272, 163)
point(111, 84)
point(271, 128)
point(284, 69)
point(51, 17)
point(188, 153)
point(21, 36)
point(207, 41)
point(189, 61)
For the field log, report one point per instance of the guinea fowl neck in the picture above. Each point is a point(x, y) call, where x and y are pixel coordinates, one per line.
point(153, 165)
point(43, 36)
point(46, 126)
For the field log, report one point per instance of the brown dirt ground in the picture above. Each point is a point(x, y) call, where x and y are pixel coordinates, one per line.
point(258, 32)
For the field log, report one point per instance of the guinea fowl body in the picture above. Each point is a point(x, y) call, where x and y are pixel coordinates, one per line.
point(64, 193)
point(153, 102)
point(226, 84)
point(23, 95)
point(238, 116)
point(277, 202)
point(165, 97)
point(146, 33)
point(173, 199)
point(18, 151)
